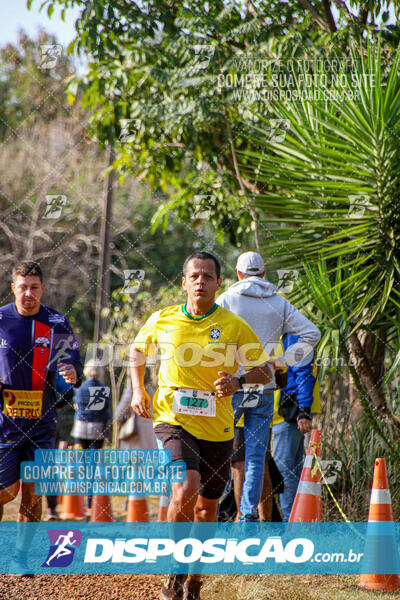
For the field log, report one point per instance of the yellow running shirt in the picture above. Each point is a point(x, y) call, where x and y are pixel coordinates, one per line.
point(192, 351)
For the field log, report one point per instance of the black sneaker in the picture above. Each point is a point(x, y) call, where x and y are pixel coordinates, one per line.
point(173, 589)
point(192, 590)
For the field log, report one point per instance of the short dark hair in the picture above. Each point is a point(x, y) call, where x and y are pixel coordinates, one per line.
point(25, 268)
point(203, 256)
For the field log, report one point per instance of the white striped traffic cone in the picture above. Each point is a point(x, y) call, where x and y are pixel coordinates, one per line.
point(307, 504)
point(381, 541)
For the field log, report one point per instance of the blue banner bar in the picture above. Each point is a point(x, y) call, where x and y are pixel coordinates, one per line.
point(209, 548)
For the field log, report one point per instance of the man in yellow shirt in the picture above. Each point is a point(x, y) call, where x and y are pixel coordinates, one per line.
point(202, 346)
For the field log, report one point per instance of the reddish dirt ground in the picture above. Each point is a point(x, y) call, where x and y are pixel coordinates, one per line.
point(80, 587)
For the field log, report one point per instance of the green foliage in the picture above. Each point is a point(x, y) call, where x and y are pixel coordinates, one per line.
point(28, 93)
point(357, 447)
point(47, 142)
point(332, 183)
point(156, 87)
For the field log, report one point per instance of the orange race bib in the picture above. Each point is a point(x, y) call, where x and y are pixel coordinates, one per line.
point(23, 404)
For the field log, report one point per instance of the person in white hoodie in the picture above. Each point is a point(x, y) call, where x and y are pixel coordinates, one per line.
point(270, 315)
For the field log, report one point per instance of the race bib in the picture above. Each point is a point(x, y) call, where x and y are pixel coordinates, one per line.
point(252, 395)
point(23, 404)
point(194, 402)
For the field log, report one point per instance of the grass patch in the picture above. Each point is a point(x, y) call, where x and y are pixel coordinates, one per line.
point(285, 587)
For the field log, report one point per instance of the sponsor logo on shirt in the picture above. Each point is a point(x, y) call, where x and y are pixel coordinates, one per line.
point(3, 343)
point(56, 319)
point(42, 343)
point(215, 333)
point(23, 404)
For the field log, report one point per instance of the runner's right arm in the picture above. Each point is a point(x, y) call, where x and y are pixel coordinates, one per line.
point(140, 398)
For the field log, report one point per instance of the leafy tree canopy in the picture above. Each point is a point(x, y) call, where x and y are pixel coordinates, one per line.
point(170, 85)
point(30, 92)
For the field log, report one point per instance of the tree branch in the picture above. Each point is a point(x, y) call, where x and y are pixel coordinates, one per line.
point(251, 9)
point(363, 16)
point(329, 16)
point(341, 5)
point(315, 14)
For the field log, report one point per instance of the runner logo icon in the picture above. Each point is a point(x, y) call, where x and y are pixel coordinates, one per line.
point(98, 397)
point(62, 547)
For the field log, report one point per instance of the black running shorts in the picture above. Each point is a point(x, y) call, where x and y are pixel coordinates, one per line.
point(210, 459)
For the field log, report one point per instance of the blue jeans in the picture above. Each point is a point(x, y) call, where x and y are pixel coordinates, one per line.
point(288, 453)
point(257, 421)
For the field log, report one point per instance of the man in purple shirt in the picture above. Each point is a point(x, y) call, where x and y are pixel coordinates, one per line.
point(35, 341)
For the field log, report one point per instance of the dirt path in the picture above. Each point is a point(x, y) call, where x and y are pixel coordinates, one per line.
point(216, 587)
point(147, 587)
point(80, 587)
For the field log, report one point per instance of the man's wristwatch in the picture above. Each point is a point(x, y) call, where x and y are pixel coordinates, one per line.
point(242, 381)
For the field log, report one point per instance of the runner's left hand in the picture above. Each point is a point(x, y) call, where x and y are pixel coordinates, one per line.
point(68, 373)
point(226, 384)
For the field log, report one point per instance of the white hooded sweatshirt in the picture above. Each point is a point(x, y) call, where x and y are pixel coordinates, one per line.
point(270, 316)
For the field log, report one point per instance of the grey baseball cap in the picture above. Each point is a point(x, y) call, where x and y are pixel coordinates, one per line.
point(250, 263)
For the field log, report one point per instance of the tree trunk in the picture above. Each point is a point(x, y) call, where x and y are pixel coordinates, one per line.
point(365, 374)
point(374, 350)
point(103, 281)
point(370, 372)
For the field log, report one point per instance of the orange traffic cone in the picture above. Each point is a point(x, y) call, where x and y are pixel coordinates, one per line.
point(163, 509)
point(379, 547)
point(72, 507)
point(101, 510)
point(307, 504)
point(137, 511)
